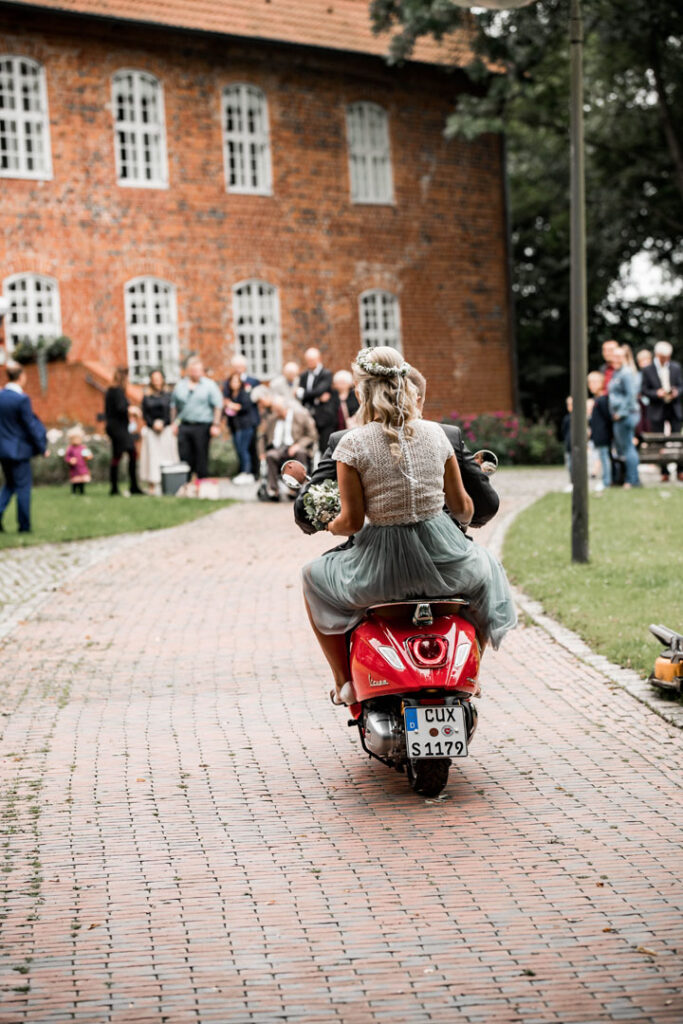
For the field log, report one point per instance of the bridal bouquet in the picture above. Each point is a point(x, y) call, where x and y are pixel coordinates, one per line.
point(322, 504)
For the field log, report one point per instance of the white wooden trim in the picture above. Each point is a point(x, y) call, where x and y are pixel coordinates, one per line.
point(28, 121)
point(259, 341)
point(376, 301)
point(33, 329)
point(244, 144)
point(151, 344)
point(136, 128)
point(370, 169)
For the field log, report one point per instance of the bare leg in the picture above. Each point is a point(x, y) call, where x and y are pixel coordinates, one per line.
point(333, 646)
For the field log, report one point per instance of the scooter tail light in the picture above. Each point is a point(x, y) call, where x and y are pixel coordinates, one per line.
point(428, 651)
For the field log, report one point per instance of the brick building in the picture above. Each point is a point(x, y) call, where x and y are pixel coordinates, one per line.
point(243, 175)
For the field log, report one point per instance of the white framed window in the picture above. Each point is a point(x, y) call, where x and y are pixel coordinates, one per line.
point(152, 328)
point(246, 140)
point(139, 130)
point(380, 320)
point(256, 309)
point(34, 312)
point(24, 121)
point(367, 126)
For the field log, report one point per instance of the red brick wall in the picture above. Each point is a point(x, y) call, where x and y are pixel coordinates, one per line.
point(74, 393)
point(440, 248)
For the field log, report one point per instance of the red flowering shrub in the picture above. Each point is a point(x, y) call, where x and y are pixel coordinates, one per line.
point(515, 440)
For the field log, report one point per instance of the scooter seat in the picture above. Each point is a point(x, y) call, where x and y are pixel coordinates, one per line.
point(400, 609)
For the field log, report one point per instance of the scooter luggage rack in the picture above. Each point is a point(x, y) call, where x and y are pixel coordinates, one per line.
point(424, 611)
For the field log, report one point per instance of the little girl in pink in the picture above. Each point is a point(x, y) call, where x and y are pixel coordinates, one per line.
point(77, 457)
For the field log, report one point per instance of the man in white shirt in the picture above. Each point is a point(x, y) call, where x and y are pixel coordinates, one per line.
point(289, 434)
point(315, 394)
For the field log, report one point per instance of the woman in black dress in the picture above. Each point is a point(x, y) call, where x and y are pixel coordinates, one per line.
point(122, 441)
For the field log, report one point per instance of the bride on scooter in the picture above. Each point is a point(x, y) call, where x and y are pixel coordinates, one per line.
point(394, 470)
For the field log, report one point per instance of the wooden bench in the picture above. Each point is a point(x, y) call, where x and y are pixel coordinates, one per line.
point(661, 448)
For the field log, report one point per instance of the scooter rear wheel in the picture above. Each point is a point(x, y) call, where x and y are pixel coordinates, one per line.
point(428, 776)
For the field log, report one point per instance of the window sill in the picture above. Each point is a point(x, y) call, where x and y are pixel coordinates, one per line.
point(267, 194)
point(125, 183)
point(26, 175)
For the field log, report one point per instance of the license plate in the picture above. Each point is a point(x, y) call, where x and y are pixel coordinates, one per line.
point(436, 732)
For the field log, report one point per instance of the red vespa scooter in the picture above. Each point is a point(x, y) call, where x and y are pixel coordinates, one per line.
point(414, 667)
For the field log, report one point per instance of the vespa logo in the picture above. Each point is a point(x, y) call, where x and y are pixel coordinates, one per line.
point(377, 682)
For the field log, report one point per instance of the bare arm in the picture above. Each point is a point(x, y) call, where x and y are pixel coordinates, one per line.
point(457, 498)
point(352, 515)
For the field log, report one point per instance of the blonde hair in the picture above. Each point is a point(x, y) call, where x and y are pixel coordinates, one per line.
point(75, 432)
point(386, 394)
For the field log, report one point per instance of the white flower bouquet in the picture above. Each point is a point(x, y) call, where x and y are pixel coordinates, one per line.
point(322, 504)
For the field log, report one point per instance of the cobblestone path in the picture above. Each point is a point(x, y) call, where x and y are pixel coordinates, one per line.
point(179, 845)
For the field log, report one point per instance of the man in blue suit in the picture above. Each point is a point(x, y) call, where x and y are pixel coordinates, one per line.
point(22, 436)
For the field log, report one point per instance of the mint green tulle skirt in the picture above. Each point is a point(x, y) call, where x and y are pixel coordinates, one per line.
point(390, 563)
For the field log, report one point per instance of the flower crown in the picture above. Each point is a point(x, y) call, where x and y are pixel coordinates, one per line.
point(367, 364)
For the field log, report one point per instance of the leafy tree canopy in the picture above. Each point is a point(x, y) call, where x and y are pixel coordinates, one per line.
point(633, 75)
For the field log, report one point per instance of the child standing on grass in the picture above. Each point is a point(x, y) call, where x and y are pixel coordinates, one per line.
point(77, 457)
point(600, 421)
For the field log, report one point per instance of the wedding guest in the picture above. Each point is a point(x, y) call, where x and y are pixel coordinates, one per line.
point(315, 394)
point(345, 399)
point(607, 368)
point(77, 456)
point(623, 404)
point(196, 410)
point(240, 414)
point(286, 384)
point(239, 365)
point(290, 433)
point(159, 443)
point(643, 359)
point(662, 385)
point(566, 432)
point(117, 414)
point(600, 422)
point(22, 436)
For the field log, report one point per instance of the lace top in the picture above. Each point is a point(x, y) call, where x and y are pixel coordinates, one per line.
point(404, 492)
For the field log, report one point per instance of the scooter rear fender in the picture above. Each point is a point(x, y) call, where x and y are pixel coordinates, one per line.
point(382, 663)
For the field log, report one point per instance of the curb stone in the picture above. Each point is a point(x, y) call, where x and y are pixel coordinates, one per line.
point(670, 710)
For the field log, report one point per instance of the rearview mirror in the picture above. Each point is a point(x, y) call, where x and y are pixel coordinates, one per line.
point(293, 474)
point(487, 461)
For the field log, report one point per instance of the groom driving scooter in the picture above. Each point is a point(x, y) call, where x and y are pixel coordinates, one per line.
point(477, 484)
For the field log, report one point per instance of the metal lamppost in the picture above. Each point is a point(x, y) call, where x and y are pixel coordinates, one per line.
point(578, 339)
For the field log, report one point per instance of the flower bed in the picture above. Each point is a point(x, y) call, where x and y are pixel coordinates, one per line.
point(515, 440)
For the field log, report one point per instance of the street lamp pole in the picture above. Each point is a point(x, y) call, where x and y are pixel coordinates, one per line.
point(578, 340)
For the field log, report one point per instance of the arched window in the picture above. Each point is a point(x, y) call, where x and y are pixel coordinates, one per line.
point(24, 122)
point(151, 328)
point(246, 140)
point(257, 326)
point(139, 130)
point(380, 320)
point(369, 154)
point(34, 313)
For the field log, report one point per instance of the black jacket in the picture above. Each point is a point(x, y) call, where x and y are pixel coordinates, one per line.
point(601, 423)
point(116, 418)
point(156, 407)
point(477, 484)
point(650, 386)
point(324, 413)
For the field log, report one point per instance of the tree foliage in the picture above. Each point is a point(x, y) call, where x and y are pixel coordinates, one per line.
point(633, 74)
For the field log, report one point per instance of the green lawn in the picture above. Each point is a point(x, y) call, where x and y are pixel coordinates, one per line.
point(57, 515)
point(635, 574)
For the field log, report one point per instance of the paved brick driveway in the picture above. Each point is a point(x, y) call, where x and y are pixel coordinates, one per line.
point(179, 846)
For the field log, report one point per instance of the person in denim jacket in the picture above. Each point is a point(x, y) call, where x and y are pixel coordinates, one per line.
point(623, 404)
